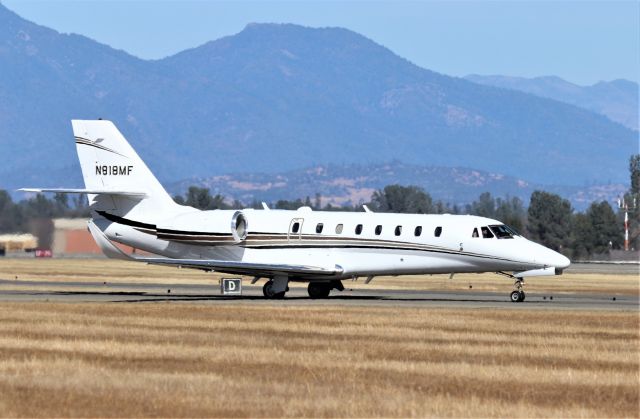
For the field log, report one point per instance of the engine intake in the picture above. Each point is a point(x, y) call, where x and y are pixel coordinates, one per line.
point(239, 226)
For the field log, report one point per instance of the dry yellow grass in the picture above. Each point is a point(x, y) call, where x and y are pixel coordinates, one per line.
point(178, 359)
point(115, 271)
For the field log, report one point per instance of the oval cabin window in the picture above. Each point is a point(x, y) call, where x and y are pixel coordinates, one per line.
point(339, 229)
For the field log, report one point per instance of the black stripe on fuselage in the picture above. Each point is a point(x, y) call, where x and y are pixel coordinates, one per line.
point(125, 221)
point(185, 233)
point(160, 232)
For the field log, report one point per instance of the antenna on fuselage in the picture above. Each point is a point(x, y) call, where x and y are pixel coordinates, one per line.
point(265, 206)
point(366, 208)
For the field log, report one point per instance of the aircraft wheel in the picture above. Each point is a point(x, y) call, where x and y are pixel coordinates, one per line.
point(268, 292)
point(318, 290)
point(522, 295)
point(516, 297)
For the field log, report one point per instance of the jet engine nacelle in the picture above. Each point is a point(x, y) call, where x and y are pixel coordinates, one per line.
point(206, 227)
point(239, 226)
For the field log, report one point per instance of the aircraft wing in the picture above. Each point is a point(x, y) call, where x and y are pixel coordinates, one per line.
point(246, 268)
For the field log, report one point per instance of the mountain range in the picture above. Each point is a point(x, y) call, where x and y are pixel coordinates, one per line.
point(354, 184)
point(617, 99)
point(278, 98)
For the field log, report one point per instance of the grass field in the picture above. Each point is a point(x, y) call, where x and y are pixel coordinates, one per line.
point(173, 359)
point(270, 360)
point(114, 271)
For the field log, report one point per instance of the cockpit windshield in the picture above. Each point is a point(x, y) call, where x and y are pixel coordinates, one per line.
point(503, 231)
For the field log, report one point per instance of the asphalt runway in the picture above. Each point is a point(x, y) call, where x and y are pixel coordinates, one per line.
point(604, 268)
point(148, 293)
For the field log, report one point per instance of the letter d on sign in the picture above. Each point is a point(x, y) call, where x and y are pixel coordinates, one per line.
point(231, 286)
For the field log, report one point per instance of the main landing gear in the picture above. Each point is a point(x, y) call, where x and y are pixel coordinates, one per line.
point(518, 295)
point(322, 289)
point(276, 288)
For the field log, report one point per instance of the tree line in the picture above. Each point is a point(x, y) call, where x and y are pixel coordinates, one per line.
point(549, 219)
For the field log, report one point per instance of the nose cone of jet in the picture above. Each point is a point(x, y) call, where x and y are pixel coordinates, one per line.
point(555, 259)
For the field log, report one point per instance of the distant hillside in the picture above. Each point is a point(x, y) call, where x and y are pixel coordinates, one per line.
point(277, 98)
point(617, 99)
point(354, 184)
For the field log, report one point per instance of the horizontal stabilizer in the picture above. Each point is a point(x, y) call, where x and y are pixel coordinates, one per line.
point(88, 191)
point(246, 268)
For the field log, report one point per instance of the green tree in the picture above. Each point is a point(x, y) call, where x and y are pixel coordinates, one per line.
point(201, 198)
point(606, 232)
point(511, 211)
point(596, 231)
point(11, 217)
point(550, 220)
point(634, 172)
point(179, 199)
point(485, 206)
point(402, 199)
point(632, 200)
point(289, 205)
point(61, 204)
point(38, 207)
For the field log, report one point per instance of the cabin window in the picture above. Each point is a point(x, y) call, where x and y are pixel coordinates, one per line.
point(339, 229)
point(486, 233)
point(438, 231)
point(503, 232)
point(319, 228)
point(296, 227)
point(475, 233)
point(398, 230)
point(378, 230)
point(418, 231)
point(359, 229)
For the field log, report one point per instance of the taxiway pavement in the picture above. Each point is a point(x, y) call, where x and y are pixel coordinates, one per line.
point(27, 291)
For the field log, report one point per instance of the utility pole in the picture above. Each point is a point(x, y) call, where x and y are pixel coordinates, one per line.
point(622, 204)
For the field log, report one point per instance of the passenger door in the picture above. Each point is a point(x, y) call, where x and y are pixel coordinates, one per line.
point(295, 229)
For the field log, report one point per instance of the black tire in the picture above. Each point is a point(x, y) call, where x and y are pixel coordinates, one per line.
point(267, 291)
point(318, 290)
point(515, 296)
point(522, 296)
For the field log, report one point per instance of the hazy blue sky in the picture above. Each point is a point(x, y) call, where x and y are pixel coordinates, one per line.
point(583, 42)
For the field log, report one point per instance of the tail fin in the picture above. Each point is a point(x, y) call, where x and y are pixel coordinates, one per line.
point(109, 163)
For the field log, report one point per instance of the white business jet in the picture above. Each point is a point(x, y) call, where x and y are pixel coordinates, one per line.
point(129, 206)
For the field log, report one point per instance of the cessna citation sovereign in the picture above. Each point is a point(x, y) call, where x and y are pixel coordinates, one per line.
point(129, 206)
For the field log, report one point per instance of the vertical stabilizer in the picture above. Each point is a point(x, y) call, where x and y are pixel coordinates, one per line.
point(108, 162)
